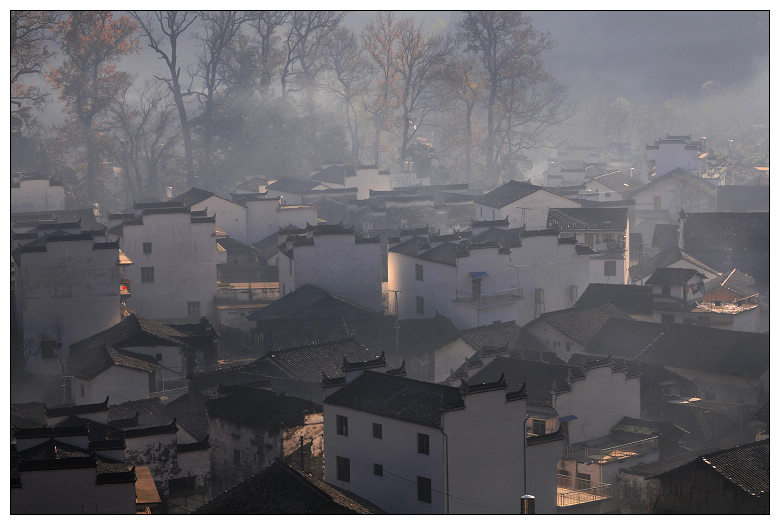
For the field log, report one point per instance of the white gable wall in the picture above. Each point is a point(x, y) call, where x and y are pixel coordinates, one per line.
point(231, 217)
point(37, 195)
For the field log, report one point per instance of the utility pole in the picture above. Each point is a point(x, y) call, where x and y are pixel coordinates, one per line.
point(397, 325)
point(527, 502)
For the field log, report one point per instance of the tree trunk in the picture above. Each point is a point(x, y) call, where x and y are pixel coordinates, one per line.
point(92, 166)
point(185, 131)
point(468, 142)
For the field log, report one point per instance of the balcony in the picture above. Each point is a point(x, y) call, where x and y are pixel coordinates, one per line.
point(488, 299)
point(604, 455)
point(567, 497)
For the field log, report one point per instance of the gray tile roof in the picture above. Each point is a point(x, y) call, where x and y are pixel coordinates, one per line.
point(587, 219)
point(692, 347)
point(310, 301)
point(540, 378)
point(672, 276)
point(632, 299)
point(507, 194)
point(307, 363)
point(292, 185)
point(146, 412)
point(582, 324)
point(259, 408)
point(192, 197)
point(89, 362)
point(133, 330)
point(280, 489)
point(495, 334)
point(662, 260)
point(396, 397)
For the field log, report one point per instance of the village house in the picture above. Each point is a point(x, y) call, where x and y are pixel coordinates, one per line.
point(176, 256)
point(138, 357)
point(661, 200)
point(90, 477)
point(265, 215)
point(670, 258)
point(320, 257)
point(729, 240)
point(34, 192)
point(732, 481)
point(408, 446)
point(570, 330)
point(677, 152)
point(246, 430)
point(606, 230)
point(561, 399)
point(292, 190)
point(254, 185)
point(363, 177)
point(525, 205)
point(230, 216)
point(67, 286)
point(725, 365)
point(283, 489)
point(678, 297)
point(635, 300)
point(613, 186)
point(497, 275)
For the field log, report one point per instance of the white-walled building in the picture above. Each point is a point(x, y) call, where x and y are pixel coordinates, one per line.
point(413, 447)
point(500, 275)
point(35, 192)
point(662, 199)
point(230, 216)
point(677, 152)
point(613, 186)
point(364, 178)
point(606, 230)
point(176, 256)
point(67, 288)
point(335, 259)
point(522, 202)
point(266, 215)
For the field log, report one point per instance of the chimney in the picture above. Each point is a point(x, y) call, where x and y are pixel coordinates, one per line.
point(96, 209)
point(168, 192)
point(681, 231)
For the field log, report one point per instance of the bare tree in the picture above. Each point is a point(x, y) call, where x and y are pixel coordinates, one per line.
point(143, 136)
point(306, 33)
point(270, 56)
point(463, 88)
point(30, 34)
point(349, 73)
point(172, 24)
point(219, 29)
point(380, 40)
point(418, 64)
point(516, 85)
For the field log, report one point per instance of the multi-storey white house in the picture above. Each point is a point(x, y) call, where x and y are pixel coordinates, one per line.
point(522, 202)
point(266, 215)
point(175, 275)
point(677, 151)
point(67, 288)
point(413, 447)
point(35, 192)
point(230, 216)
point(335, 259)
point(606, 230)
point(499, 275)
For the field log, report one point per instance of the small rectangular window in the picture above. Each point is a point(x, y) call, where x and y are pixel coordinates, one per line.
point(236, 457)
point(607, 194)
point(377, 430)
point(193, 308)
point(418, 272)
point(378, 470)
point(81, 389)
point(539, 427)
point(657, 202)
point(342, 425)
point(147, 247)
point(582, 481)
point(342, 469)
point(423, 444)
point(147, 274)
point(667, 318)
point(610, 268)
point(423, 489)
point(420, 305)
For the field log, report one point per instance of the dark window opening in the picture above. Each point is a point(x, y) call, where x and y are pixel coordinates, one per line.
point(377, 430)
point(418, 272)
point(342, 469)
point(423, 444)
point(378, 470)
point(342, 426)
point(423, 489)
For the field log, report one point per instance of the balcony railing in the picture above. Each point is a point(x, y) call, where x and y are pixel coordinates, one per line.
point(610, 454)
point(568, 498)
point(489, 298)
